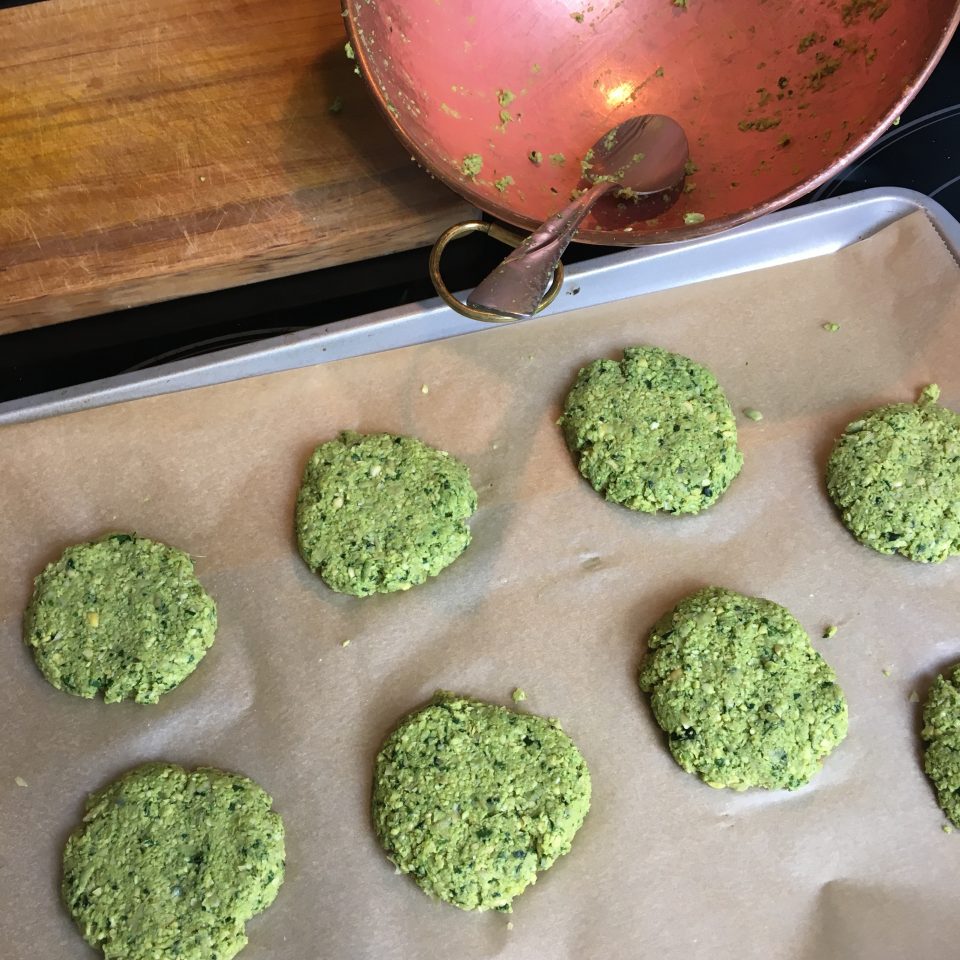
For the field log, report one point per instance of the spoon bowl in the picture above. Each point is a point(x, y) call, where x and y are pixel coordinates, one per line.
point(640, 163)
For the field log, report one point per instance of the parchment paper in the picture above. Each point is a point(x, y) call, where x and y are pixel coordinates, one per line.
point(554, 595)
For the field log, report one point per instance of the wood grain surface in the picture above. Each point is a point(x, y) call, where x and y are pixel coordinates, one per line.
point(151, 149)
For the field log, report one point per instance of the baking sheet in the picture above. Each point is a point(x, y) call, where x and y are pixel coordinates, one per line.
point(555, 595)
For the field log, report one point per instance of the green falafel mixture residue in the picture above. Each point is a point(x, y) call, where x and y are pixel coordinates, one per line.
point(171, 863)
point(471, 165)
point(895, 477)
point(743, 697)
point(378, 513)
point(653, 431)
point(473, 800)
point(123, 616)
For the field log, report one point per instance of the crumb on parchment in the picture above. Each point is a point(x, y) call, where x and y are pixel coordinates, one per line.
point(19, 781)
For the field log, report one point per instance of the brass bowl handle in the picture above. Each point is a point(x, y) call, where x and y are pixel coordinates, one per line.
point(498, 233)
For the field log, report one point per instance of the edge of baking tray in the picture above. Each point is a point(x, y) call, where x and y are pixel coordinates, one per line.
point(796, 234)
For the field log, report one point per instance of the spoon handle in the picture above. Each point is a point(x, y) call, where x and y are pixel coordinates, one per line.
point(516, 287)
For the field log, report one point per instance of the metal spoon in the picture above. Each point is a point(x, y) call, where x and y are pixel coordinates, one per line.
point(644, 156)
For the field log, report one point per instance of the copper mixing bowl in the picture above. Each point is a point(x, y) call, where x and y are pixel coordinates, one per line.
point(775, 95)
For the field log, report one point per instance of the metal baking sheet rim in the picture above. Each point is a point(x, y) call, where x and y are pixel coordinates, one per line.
point(817, 229)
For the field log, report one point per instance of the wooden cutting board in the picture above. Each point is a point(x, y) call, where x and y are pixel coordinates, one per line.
point(151, 149)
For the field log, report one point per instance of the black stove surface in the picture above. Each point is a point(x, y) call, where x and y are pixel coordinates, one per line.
point(922, 152)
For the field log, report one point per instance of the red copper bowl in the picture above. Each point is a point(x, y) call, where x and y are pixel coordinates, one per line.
point(775, 95)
